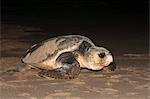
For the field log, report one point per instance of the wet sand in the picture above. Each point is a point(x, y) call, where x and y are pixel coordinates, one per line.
point(131, 80)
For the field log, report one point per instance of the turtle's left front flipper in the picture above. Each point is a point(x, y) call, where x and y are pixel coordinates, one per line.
point(111, 67)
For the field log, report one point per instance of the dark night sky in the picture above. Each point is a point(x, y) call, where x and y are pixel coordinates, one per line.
point(124, 21)
point(73, 8)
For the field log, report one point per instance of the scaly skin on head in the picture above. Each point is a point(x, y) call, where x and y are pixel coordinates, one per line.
point(92, 59)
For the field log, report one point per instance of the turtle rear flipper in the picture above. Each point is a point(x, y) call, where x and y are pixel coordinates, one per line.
point(17, 68)
point(19, 71)
point(70, 68)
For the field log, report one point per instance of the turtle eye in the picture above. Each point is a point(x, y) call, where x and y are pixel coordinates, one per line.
point(101, 55)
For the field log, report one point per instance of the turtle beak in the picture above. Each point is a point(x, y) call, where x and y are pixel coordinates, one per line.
point(112, 66)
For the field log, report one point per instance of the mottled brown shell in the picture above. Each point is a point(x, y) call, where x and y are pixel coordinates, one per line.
point(44, 54)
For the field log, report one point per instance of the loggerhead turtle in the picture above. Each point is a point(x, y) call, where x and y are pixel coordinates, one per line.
point(63, 56)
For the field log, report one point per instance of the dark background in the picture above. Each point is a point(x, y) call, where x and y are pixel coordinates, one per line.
point(121, 26)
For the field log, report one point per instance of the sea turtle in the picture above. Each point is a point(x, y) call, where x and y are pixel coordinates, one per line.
point(63, 56)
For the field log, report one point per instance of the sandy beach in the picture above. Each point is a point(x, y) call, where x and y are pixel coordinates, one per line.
point(131, 80)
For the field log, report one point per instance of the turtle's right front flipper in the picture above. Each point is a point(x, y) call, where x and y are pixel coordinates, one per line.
point(70, 68)
point(67, 71)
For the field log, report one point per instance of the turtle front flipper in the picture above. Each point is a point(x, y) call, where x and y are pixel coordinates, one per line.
point(111, 67)
point(68, 71)
point(70, 68)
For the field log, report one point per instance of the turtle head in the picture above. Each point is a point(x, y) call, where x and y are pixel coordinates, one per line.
point(99, 57)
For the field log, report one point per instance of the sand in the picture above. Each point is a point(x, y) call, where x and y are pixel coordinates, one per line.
point(131, 79)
